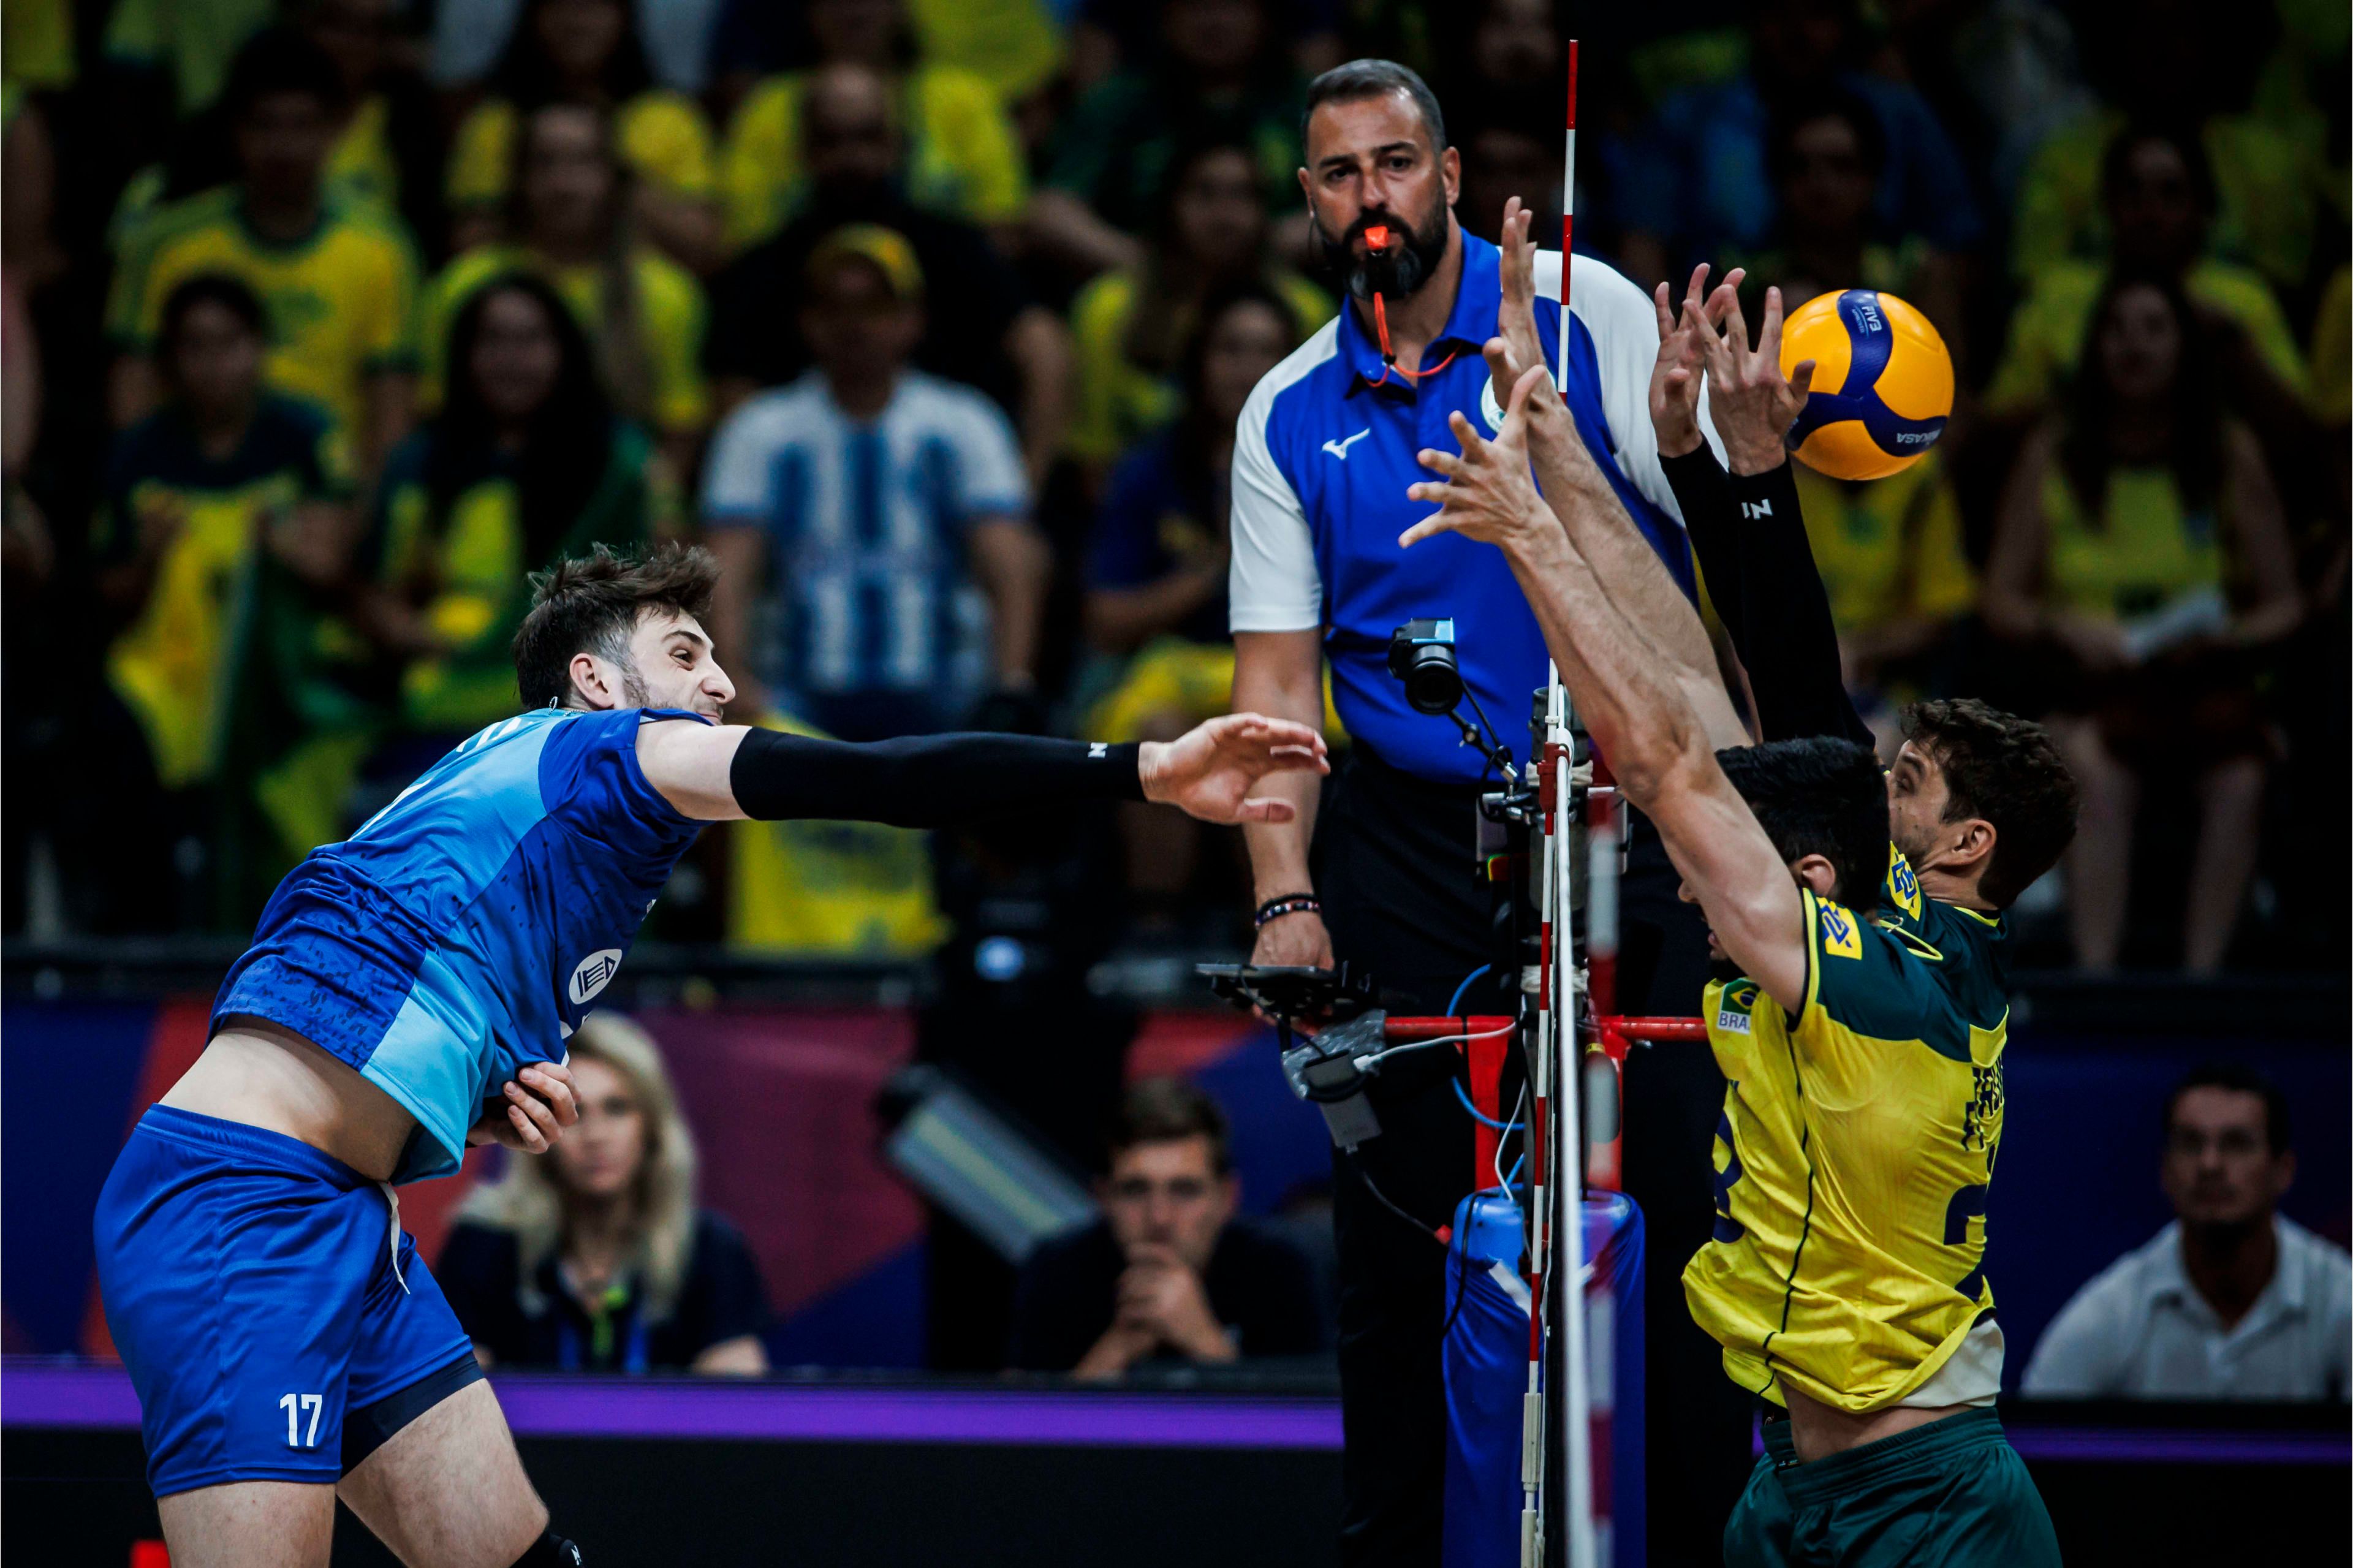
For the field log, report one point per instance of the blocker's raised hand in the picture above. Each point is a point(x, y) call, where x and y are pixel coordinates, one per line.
point(1209, 769)
point(1682, 356)
point(1487, 494)
point(1754, 403)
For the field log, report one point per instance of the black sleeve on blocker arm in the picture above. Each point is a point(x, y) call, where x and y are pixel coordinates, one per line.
point(1749, 534)
point(924, 781)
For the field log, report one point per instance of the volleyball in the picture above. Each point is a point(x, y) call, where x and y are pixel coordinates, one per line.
point(1883, 384)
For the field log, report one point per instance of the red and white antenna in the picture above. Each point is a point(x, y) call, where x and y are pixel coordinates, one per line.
point(1567, 214)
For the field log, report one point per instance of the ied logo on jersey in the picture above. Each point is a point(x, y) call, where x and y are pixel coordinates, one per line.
point(593, 973)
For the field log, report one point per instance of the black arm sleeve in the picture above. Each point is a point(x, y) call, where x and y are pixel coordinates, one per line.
point(924, 781)
point(1749, 534)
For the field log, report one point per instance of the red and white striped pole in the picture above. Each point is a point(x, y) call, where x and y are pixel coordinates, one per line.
point(1567, 212)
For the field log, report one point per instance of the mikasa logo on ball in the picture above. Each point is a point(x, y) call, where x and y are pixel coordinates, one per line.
point(594, 972)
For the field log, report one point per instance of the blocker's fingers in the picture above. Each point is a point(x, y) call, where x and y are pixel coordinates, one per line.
point(1666, 315)
point(1429, 527)
point(1501, 366)
point(1522, 390)
point(1434, 491)
point(1261, 808)
point(1298, 758)
point(1473, 444)
point(1735, 324)
point(1801, 380)
point(1439, 462)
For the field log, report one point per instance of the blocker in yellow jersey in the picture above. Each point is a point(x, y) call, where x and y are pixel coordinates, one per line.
point(1853, 1155)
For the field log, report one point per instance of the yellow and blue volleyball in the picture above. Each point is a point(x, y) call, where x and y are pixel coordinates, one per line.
point(1883, 384)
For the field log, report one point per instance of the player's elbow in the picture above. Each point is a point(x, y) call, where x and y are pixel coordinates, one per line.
point(1653, 764)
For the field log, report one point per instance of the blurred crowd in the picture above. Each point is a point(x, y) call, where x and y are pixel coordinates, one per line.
point(328, 322)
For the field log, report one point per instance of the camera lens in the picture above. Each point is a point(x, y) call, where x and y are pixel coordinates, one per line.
point(1433, 682)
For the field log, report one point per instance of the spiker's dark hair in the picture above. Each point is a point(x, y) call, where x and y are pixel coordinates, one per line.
point(593, 605)
point(1819, 795)
point(2005, 770)
point(1360, 79)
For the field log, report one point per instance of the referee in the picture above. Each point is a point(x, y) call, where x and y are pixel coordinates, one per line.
point(1324, 451)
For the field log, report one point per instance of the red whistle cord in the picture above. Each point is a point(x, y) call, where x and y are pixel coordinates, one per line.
point(1388, 359)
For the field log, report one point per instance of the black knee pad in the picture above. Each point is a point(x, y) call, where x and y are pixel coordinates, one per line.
point(550, 1551)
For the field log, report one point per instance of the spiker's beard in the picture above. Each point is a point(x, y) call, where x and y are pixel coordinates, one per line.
point(1397, 271)
point(633, 687)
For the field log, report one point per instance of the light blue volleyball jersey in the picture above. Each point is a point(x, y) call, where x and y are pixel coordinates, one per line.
point(464, 930)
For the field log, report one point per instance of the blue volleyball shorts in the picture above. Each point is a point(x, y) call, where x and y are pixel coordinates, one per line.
point(275, 1318)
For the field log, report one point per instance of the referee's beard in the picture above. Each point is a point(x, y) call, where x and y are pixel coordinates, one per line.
point(1398, 271)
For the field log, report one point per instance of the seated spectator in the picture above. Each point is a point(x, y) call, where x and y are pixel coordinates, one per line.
point(1221, 77)
point(2175, 63)
point(1156, 575)
point(2232, 1299)
point(230, 501)
point(469, 37)
point(981, 328)
point(388, 153)
point(1132, 325)
point(344, 278)
point(1014, 45)
point(525, 464)
point(593, 1257)
point(1826, 157)
point(587, 52)
point(875, 519)
point(962, 156)
point(2156, 191)
point(2001, 74)
point(2124, 527)
point(1891, 560)
point(567, 221)
point(1696, 187)
point(1508, 153)
point(1168, 1273)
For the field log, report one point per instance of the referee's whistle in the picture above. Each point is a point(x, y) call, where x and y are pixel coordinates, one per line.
point(1376, 238)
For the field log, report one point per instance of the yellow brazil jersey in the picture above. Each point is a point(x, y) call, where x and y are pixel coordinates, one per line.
point(963, 157)
point(1855, 1151)
point(655, 376)
point(660, 134)
point(342, 300)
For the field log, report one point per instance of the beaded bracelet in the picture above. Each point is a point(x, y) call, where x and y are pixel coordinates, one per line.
point(1288, 904)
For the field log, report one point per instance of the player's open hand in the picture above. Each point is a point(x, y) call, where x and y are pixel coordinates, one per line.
point(1209, 769)
point(1515, 318)
point(539, 1107)
point(1682, 356)
point(1486, 494)
point(1753, 403)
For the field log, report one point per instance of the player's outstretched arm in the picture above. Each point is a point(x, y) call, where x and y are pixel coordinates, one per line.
point(1630, 572)
point(1639, 714)
point(724, 773)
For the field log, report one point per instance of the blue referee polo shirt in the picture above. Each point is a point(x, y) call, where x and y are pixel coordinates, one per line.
point(1323, 457)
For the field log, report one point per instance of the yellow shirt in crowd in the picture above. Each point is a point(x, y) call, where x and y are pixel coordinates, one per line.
point(962, 155)
point(342, 300)
point(660, 135)
point(1117, 400)
point(669, 307)
point(1888, 550)
point(2046, 329)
